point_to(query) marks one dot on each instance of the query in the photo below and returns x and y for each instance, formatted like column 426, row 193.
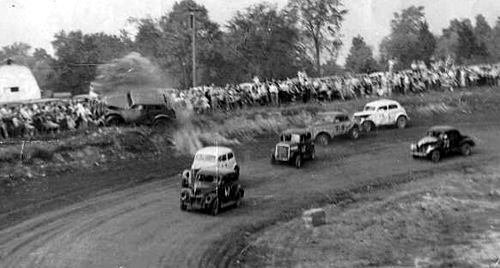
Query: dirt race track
column 143, row 226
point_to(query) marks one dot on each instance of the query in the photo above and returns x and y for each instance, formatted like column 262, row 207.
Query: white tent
column 17, row 83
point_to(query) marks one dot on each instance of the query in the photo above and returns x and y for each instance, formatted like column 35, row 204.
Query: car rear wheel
column 161, row 123
column 368, row 126
column 115, row 121
column 323, row 139
column 401, row 122
column 238, row 200
column 215, row 207
column 273, row 160
column 465, row 149
column 298, row 161
column 435, row 156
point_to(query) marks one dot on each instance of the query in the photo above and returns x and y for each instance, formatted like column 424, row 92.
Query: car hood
column 283, row 143
column 202, row 164
column 363, row 113
column 427, row 140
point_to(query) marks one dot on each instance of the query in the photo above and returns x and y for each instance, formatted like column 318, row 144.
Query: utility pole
column 193, row 42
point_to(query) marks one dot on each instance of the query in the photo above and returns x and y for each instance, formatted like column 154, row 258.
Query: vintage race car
column 211, row 189
column 149, row 109
column 331, row 124
column 382, row 113
column 440, row 141
column 294, row 146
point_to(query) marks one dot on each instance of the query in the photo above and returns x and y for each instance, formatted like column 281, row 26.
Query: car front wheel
column 298, row 161
column 215, row 207
column 354, row 133
column 183, row 206
column 435, row 156
column 368, row 126
column 465, row 149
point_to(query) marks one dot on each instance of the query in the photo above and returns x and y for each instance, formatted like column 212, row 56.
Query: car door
column 454, row 138
column 227, row 189
column 231, row 161
column 223, row 163
column 382, row 116
column 393, row 113
column 345, row 124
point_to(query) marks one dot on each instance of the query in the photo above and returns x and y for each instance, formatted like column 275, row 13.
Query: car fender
column 161, row 116
column 330, row 136
column 111, row 116
column 467, row 140
column 402, row 114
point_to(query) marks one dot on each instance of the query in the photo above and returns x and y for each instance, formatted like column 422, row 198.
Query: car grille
column 282, row 152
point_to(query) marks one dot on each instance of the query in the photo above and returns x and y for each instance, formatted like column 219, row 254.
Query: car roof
column 382, row 102
column 296, row 131
column 442, row 128
column 215, row 171
column 214, row 150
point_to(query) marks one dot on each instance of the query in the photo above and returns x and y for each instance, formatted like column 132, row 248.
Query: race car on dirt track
column 295, row 146
column 332, row 124
column 382, row 113
column 211, row 189
column 440, row 141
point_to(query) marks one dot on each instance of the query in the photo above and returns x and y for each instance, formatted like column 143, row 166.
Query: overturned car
column 150, row 109
column 440, row 141
column 211, row 189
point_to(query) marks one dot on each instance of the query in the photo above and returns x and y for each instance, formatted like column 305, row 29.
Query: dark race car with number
column 295, row 146
column 440, row 141
column 332, row 124
column 211, row 189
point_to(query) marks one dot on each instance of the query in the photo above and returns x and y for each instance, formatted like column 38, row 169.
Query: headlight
column 184, row 196
column 208, row 199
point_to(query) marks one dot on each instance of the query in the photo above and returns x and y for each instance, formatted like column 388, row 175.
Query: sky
column 36, row 21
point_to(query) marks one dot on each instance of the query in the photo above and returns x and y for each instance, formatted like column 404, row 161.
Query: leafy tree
column 495, row 43
column 263, row 41
column 320, row 21
column 360, row 58
column 410, row 38
column 168, row 42
column 78, row 55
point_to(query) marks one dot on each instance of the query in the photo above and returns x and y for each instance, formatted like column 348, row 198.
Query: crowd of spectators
column 46, row 116
column 30, row 119
column 303, row 89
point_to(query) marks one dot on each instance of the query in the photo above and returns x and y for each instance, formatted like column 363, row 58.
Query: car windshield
column 207, row 178
column 205, row 157
column 290, row 137
column 369, row 108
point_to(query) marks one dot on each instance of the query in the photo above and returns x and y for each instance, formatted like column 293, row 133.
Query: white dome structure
column 17, row 83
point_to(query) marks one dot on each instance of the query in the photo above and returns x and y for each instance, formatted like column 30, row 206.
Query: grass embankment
column 447, row 220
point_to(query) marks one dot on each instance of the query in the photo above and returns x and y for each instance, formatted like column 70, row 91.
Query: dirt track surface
column 143, row 226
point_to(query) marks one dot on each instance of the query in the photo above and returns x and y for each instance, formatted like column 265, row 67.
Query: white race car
column 382, row 112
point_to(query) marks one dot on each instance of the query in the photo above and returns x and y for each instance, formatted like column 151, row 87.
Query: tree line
column 260, row 40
